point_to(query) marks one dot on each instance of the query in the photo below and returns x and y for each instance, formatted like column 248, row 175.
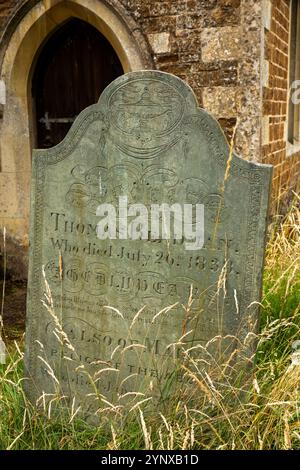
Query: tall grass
column 261, row 411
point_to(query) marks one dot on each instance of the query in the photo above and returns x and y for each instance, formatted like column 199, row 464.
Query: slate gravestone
column 148, row 140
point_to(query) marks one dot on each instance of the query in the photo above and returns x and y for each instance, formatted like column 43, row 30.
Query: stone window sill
column 292, row 149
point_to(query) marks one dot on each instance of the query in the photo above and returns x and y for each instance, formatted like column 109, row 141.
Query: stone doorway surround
column 25, row 35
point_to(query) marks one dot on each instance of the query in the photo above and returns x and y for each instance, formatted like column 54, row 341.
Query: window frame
column 293, row 115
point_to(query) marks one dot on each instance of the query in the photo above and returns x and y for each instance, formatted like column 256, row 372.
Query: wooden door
column 74, row 67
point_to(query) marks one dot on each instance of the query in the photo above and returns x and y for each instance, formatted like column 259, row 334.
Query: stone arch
column 25, row 35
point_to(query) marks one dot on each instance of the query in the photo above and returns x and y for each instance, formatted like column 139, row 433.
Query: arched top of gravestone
column 146, row 113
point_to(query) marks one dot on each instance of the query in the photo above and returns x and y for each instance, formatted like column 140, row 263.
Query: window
column 294, row 73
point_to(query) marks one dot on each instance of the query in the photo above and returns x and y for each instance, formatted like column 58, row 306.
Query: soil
column 14, row 310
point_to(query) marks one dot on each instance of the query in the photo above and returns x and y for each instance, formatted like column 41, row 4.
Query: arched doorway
column 72, row 70
column 26, row 35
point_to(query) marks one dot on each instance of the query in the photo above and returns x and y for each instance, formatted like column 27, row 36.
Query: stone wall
column 214, row 45
column 6, row 9
column 275, row 99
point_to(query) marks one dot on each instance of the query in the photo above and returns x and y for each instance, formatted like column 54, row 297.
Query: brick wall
column 275, row 99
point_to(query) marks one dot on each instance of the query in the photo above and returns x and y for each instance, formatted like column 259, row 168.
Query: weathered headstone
column 147, row 140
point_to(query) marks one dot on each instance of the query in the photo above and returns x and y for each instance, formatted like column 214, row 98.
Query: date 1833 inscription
column 112, row 319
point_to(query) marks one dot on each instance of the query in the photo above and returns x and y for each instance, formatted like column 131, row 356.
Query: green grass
column 261, row 411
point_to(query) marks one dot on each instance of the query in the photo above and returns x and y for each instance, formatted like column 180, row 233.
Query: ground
column 14, row 310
